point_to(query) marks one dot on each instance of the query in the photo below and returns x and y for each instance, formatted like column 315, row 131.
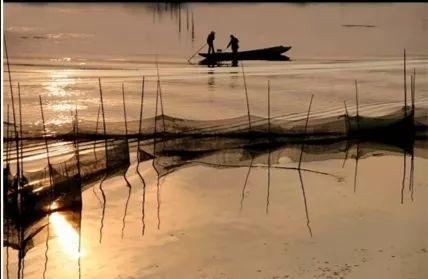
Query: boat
column 270, row 54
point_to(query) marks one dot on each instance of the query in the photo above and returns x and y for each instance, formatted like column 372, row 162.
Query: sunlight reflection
column 67, row 235
column 60, row 85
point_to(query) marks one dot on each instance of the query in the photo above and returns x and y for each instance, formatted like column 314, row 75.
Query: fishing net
column 56, row 187
column 104, row 158
column 321, row 124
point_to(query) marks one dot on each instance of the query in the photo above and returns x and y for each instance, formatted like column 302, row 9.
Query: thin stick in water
column 246, row 97
column 356, row 102
column 7, row 136
column 187, row 18
column 160, row 95
column 193, row 28
column 20, row 132
column 414, row 90
column 106, row 162
column 305, row 131
column 404, row 177
column 51, row 186
column 18, row 171
column 405, row 83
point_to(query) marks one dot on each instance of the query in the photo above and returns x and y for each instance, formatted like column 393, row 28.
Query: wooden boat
column 271, row 54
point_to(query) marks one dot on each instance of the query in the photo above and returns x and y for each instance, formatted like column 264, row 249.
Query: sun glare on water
column 60, row 83
column 67, row 236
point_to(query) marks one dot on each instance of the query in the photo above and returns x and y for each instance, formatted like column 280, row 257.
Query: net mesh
column 335, row 123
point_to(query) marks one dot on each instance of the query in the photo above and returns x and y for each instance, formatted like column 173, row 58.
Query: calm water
column 202, row 222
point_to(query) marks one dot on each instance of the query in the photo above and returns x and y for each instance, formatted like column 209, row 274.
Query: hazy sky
column 121, row 30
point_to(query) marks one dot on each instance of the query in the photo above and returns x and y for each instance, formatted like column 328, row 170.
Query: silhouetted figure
column 210, row 42
column 234, row 44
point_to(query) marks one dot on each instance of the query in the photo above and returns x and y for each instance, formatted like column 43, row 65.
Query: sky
column 328, row 30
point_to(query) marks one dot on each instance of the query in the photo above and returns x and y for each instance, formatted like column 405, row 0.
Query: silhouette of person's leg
column 235, row 58
column 211, row 49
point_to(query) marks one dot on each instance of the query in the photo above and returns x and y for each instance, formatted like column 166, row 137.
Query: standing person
column 234, row 43
column 210, row 42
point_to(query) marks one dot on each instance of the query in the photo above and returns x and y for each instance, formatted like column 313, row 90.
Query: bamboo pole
column 141, row 119
column 18, row 171
column 404, row 177
column 356, row 167
column 346, row 109
column 76, row 142
column 348, row 123
column 79, row 249
column 246, row 97
column 414, row 90
column 305, row 201
column 104, row 120
column 155, row 119
column 196, row 52
column 405, row 84
column 193, row 28
column 268, row 99
column 7, row 135
column 411, row 91
column 305, row 132
column 143, row 214
column 107, row 160
column 179, row 18
column 124, row 112
column 96, row 132
column 20, row 131
column 356, row 101
column 124, row 175
column 44, row 132
column 187, row 18
column 160, row 95
column 269, row 153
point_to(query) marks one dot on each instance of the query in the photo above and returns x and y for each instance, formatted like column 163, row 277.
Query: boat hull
column 270, row 54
